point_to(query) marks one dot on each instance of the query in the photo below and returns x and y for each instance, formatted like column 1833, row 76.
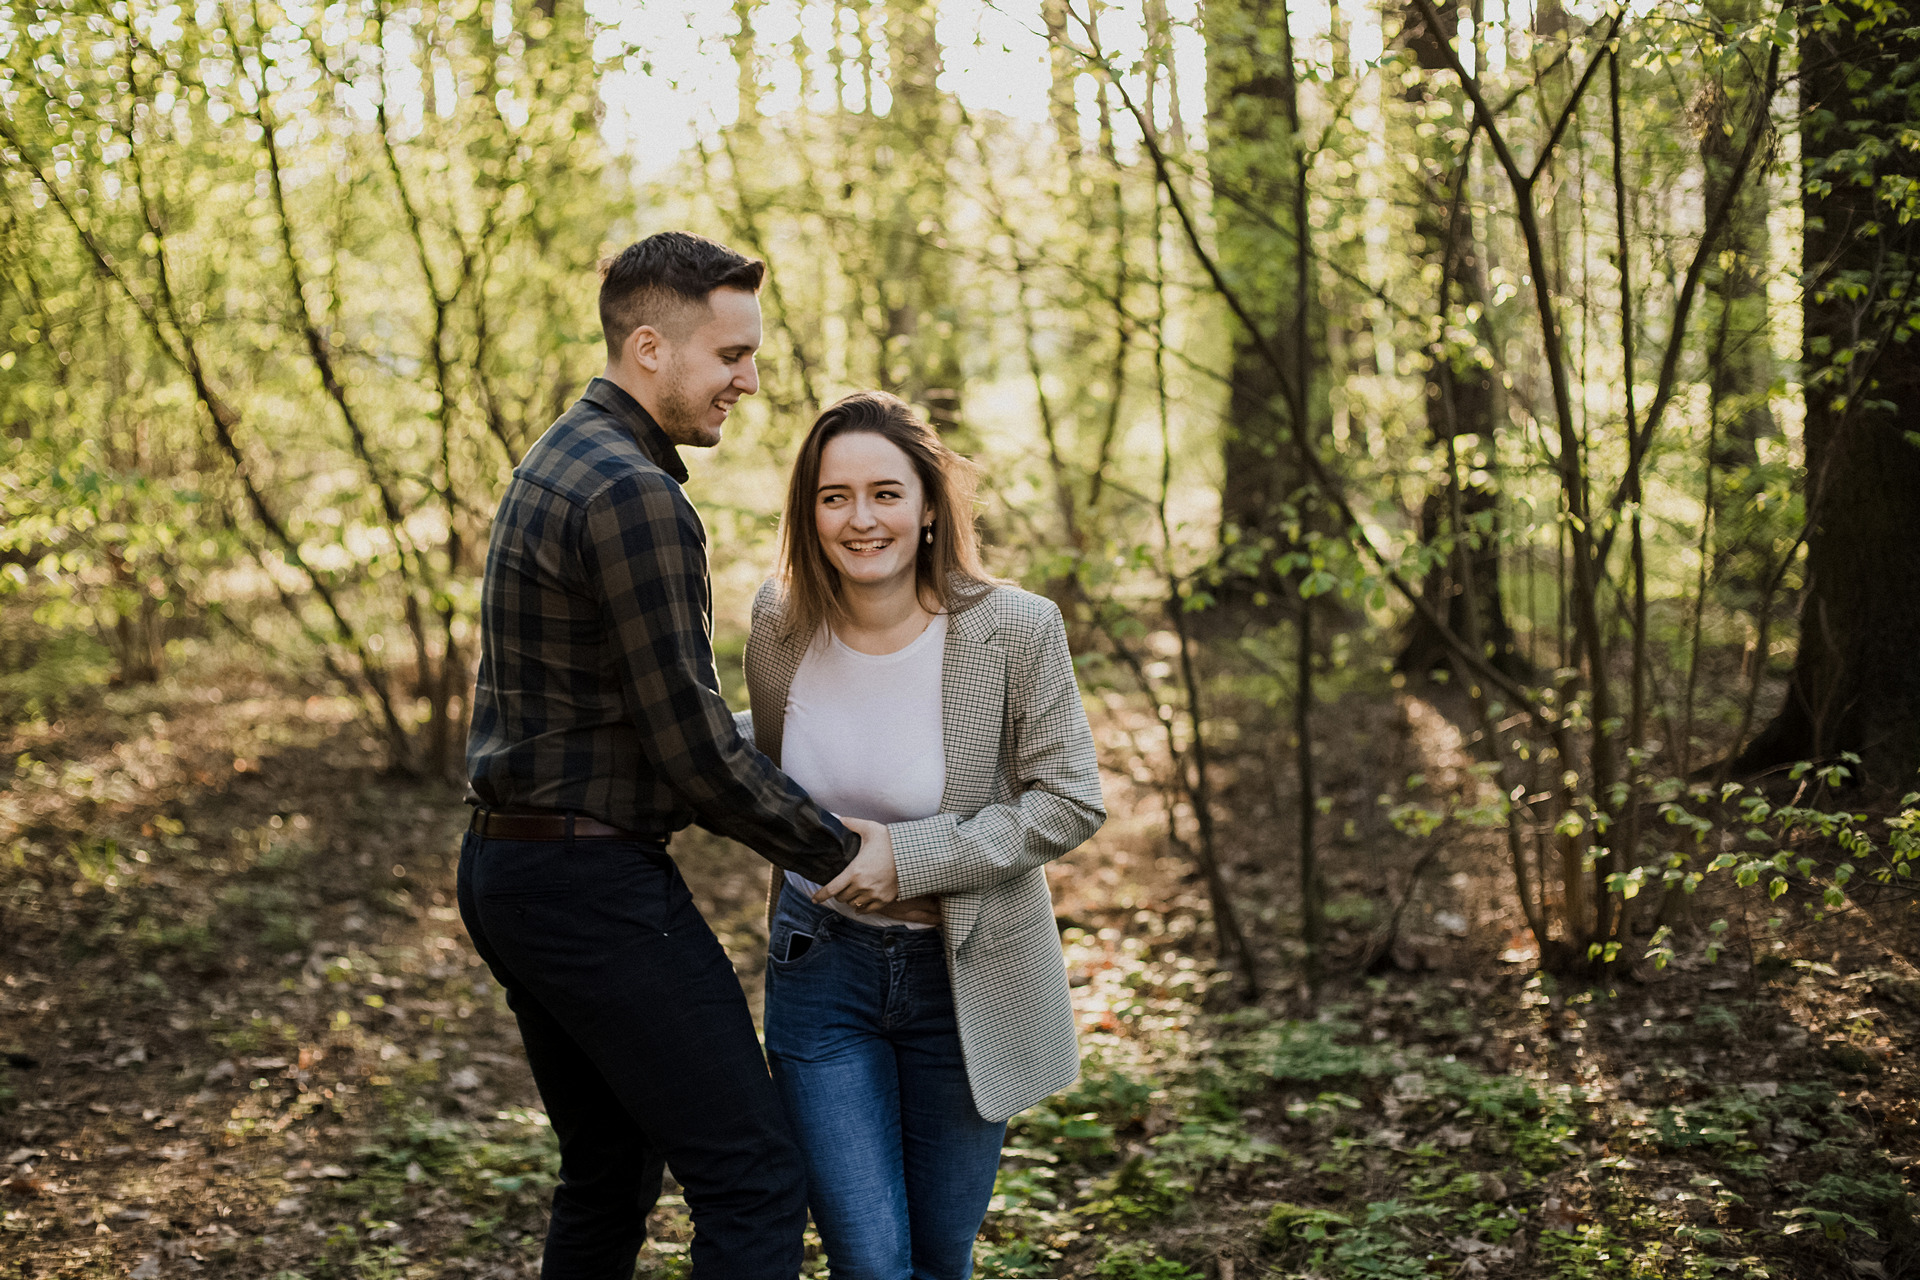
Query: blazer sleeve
column 1059, row 804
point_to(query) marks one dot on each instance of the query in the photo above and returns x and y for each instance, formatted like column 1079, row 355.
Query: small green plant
column 379, row 1261
column 514, row 1160
column 1717, row 1020
column 1050, row 1134
column 1016, row 1259
column 1831, row 1223
column 1140, row 1262
column 1585, row 1253
column 1376, row 1247
column 1113, row 1095
column 1313, row 1053
column 1139, row 1191
column 97, row 859
column 1290, row 1222
column 1881, row 1191
column 1201, row 1144
column 1537, row 1125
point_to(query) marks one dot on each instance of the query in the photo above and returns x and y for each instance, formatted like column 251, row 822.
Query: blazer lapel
column 973, row 691
column 973, row 695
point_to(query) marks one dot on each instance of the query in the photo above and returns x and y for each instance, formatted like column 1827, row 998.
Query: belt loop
column 569, row 826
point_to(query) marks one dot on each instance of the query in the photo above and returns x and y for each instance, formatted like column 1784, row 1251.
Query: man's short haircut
column 664, row 280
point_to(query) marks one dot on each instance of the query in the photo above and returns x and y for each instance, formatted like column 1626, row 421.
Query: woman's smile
column 869, row 511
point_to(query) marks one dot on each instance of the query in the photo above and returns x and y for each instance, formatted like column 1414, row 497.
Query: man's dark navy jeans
column 644, row 1051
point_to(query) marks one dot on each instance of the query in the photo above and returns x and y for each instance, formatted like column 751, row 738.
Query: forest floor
column 246, row 1036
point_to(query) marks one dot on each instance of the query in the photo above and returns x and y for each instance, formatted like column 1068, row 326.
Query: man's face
column 704, row 374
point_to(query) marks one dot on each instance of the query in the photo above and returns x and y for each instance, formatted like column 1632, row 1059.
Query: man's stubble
column 683, row 418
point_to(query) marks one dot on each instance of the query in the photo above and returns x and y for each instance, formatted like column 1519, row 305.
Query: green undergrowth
column 497, row 1175
column 44, row 671
column 1314, row 1149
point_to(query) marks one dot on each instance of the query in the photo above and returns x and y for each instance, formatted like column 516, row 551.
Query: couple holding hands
column 916, row 753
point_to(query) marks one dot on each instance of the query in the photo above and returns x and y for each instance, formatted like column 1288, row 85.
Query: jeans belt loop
column 569, row 826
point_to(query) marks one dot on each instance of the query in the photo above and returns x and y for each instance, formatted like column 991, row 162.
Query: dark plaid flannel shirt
column 597, row 691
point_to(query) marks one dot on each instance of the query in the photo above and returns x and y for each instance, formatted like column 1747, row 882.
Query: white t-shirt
column 862, row 735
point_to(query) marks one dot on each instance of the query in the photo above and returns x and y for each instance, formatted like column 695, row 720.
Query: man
column 599, row 731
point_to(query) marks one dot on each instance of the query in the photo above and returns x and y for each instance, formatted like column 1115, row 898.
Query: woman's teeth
column 873, row 544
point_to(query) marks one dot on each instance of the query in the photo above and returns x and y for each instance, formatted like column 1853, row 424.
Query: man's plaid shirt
column 597, row 691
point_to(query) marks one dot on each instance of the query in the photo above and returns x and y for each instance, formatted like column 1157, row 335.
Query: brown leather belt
column 547, row 826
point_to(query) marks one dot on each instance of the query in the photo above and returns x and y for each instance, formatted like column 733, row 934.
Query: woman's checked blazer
column 1022, row 788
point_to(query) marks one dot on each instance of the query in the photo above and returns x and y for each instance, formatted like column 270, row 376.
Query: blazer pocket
column 1019, row 908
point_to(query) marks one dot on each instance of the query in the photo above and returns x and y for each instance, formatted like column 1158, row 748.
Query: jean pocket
column 790, row 947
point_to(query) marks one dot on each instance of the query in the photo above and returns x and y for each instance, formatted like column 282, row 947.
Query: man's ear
column 645, row 347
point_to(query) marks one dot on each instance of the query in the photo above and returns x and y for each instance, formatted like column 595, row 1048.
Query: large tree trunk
column 1461, row 393
column 1740, row 364
column 1253, row 159
column 922, row 354
column 1856, row 680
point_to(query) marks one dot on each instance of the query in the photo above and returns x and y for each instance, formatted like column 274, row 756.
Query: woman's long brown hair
column 947, row 572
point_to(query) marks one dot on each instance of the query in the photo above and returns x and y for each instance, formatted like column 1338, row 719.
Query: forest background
column 1476, row 447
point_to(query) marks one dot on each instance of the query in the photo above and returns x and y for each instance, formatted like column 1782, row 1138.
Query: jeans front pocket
column 795, row 942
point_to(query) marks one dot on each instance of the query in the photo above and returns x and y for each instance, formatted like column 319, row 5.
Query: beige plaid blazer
column 1022, row 788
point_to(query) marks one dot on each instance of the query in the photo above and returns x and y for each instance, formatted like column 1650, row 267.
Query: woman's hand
column 921, row 910
column 870, row 880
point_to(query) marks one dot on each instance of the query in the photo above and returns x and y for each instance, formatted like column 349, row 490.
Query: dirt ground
column 245, row 1036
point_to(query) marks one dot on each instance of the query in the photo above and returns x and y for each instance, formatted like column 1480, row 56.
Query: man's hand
column 921, row 910
column 870, row 880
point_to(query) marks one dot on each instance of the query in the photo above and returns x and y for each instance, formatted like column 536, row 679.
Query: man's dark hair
column 664, row 280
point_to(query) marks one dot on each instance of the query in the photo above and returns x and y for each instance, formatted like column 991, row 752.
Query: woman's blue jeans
column 866, row 1055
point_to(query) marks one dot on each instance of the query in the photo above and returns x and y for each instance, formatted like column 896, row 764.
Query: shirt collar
column 634, row 416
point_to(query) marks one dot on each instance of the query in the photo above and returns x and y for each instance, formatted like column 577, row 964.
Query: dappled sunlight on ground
column 247, row 1036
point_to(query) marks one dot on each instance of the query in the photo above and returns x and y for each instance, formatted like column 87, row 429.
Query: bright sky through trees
column 670, row 71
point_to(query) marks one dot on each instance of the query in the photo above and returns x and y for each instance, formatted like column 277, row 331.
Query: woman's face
column 869, row 509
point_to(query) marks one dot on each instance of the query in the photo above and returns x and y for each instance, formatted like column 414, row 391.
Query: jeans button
column 888, row 943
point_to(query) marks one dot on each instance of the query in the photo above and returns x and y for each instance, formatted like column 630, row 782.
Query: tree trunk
column 1253, row 159
column 1740, row 365
column 1856, row 680
column 1461, row 393
column 922, row 353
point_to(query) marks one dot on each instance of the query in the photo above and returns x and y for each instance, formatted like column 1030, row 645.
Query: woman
column 938, row 714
